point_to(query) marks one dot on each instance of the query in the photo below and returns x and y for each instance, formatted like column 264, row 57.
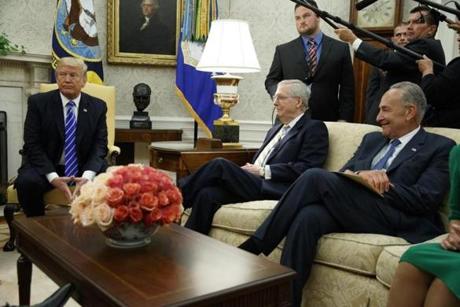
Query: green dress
column 431, row 257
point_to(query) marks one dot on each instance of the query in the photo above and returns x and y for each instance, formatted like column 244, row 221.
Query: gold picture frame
column 127, row 33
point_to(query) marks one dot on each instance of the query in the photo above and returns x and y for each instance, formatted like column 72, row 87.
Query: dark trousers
column 321, row 202
column 31, row 186
column 216, row 183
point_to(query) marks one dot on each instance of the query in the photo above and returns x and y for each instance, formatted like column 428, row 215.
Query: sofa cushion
column 354, row 252
column 349, row 251
column 343, row 142
column 240, row 218
column 243, row 218
column 389, row 259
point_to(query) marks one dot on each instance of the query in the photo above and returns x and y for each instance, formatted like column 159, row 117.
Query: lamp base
column 227, row 132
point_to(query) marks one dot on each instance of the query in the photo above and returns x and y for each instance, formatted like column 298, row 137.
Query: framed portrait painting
column 143, row 31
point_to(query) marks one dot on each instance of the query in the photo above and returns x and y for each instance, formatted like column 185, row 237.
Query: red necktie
column 311, row 57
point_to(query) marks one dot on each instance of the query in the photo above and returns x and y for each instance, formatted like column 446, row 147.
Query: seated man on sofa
column 294, row 145
column 407, row 168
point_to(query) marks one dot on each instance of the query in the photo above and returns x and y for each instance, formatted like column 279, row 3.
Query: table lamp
column 229, row 49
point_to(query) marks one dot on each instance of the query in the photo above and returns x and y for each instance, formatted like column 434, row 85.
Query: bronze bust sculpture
column 141, row 98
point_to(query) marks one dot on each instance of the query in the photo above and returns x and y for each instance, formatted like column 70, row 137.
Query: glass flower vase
column 129, row 235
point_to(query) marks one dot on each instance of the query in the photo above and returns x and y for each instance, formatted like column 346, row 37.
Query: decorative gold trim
column 193, row 113
column 114, row 56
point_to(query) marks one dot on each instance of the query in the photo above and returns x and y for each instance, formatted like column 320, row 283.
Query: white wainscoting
column 20, row 76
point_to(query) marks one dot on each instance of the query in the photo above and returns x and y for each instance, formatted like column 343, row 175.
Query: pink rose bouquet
column 134, row 194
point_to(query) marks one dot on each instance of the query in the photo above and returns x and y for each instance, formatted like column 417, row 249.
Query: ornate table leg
column 24, row 267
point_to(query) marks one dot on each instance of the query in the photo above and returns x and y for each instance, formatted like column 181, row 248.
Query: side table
column 125, row 139
column 184, row 159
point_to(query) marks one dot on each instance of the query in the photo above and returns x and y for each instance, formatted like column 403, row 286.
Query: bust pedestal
column 140, row 120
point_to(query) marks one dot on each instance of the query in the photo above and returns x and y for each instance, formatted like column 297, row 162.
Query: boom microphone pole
column 325, row 16
column 363, row 4
column 441, row 7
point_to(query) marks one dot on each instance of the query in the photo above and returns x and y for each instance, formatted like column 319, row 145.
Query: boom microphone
column 363, row 4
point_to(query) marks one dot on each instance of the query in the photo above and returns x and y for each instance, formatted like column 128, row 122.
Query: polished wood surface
column 184, row 162
column 147, row 135
column 180, row 267
column 125, row 139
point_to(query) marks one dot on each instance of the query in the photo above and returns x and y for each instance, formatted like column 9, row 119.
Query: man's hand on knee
column 79, row 181
column 61, row 183
column 378, row 179
column 253, row 169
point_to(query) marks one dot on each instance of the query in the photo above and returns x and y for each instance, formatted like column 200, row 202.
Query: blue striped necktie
column 382, row 163
column 70, row 148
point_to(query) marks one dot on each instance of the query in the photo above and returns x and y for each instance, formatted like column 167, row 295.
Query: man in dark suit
column 422, row 26
column 65, row 138
column 443, row 90
column 290, row 147
column 330, row 75
column 407, row 169
column 147, row 34
column 377, row 75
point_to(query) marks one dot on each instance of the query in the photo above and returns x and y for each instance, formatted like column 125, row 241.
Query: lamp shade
column 229, row 48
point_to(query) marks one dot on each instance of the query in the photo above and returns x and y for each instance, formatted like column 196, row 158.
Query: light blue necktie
column 382, row 163
column 70, row 148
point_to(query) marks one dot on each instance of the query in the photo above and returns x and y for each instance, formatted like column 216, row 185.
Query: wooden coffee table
column 180, row 267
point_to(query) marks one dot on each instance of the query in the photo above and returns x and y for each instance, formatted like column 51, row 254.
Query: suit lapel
column 325, row 50
column 270, row 134
column 409, row 150
column 58, row 113
column 300, row 56
column 292, row 133
column 366, row 164
column 82, row 119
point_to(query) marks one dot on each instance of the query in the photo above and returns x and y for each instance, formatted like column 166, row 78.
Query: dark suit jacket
column 443, row 95
column 399, row 67
column 374, row 83
column 419, row 173
column 44, row 133
column 305, row 146
column 332, row 90
column 155, row 38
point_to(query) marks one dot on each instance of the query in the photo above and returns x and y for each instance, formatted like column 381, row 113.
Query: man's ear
column 411, row 112
column 299, row 102
column 432, row 30
column 84, row 79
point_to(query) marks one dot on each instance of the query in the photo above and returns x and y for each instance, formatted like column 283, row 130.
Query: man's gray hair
column 74, row 62
column 297, row 88
column 155, row 3
column 412, row 94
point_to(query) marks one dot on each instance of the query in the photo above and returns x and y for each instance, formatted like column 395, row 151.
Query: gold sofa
column 349, row 269
column 55, row 197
